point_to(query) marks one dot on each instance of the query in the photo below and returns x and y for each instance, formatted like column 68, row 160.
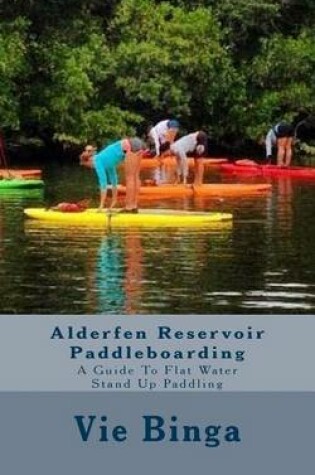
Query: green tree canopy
column 172, row 63
column 78, row 70
column 281, row 80
column 13, row 69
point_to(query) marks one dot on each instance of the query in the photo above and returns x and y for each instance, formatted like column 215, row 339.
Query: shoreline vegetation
column 77, row 71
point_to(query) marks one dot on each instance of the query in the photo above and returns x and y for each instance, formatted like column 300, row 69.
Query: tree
column 171, row 63
column 80, row 70
column 281, row 80
column 71, row 88
column 13, row 67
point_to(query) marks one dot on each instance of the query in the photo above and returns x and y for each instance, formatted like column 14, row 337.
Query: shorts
column 284, row 130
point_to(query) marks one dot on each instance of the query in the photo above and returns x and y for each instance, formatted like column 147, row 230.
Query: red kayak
column 267, row 170
column 15, row 173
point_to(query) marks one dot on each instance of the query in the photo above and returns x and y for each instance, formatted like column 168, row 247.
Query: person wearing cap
column 105, row 162
column 162, row 135
column 195, row 144
column 280, row 136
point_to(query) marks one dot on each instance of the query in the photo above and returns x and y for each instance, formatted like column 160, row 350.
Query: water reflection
column 119, row 273
column 109, row 273
column 265, row 263
column 126, row 271
column 284, row 219
column 134, row 272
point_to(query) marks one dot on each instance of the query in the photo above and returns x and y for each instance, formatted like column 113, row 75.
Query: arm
column 114, row 182
column 184, row 163
column 199, row 171
column 170, row 135
column 270, row 140
column 181, row 164
column 156, row 140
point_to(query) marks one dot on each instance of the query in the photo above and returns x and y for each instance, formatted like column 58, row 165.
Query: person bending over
column 195, row 144
column 280, row 136
column 105, row 162
column 162, row 135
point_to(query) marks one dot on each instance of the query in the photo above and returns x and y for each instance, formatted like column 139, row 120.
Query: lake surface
column 263, row 264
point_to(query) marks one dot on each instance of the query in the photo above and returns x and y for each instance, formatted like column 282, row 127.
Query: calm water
column 264, row 263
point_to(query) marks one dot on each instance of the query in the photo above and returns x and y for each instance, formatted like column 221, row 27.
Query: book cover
column 177, row 339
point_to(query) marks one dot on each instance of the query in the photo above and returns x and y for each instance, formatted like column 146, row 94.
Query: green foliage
column 243, row 22
column 246, row 21
column 12, row 68
column 77, row 70
column 172, row 62
column 68, row 84
column 72, row 96
column 282, row 80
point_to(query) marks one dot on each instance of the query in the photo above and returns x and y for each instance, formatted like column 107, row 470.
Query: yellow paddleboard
column 145, row 218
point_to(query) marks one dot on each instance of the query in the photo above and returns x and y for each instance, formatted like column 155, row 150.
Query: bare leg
column 114, row 197
column 181, row 167
column 137, row 189
column 288, row 151
column 132, row 169
column 280, row 151
column 185, row 169
column 160, row 172
column 130, row 184
column 177, row 178
column 163, row 172
column 178, row 170
column 103, row 197
column 199, row 171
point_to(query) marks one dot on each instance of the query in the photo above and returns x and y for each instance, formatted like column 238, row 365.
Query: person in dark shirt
column 281, row 136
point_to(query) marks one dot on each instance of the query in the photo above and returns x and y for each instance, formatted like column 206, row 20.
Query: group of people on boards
column 161, row 141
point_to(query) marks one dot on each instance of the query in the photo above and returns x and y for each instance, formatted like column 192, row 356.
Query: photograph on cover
column 157, row 157
column 157, row 161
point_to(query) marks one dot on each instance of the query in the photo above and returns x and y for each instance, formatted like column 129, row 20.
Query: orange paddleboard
column 215, row 189
column 171, row 161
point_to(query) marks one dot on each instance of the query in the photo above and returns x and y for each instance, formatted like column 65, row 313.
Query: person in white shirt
column 195, row 144
column 162, row 135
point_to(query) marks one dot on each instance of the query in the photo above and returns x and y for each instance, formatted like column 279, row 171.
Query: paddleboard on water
column 20, row 183
column 215, row 189
column 16, row 173
column 268, row 170
column 171, row 161
column 144, row 218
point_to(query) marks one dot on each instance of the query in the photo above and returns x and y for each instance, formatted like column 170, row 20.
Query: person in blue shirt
column 105, row 162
